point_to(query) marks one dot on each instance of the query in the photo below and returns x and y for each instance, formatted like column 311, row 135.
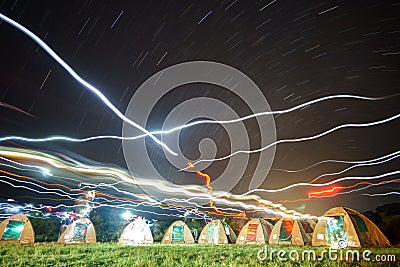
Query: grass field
column 111, row 254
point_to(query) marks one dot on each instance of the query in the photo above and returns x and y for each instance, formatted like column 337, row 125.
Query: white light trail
column 324, row 184
column 81, row 80
column 339, row 161
column 92, row 138
column 382, row 194
column 301, row 139
column 376, row 162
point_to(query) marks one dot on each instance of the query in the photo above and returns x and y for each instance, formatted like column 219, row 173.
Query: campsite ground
column 111, row 254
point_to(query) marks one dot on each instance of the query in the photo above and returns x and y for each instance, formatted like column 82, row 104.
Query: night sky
column 295, row 51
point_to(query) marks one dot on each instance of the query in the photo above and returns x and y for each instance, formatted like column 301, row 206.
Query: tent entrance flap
column 177, row 233
column 80, row 231
column 252, row 232
column 286, row 230
column 226, row 229
column 213, row 233
column 13, row 230
column 335, row 229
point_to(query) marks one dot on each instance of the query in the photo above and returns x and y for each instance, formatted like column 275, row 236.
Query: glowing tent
column 80, row 231
column 178, row 233
column 136, row 233
column 344, row 227
column 16, row 229
column 292, row 231
column 217, row 232
column 256, row 231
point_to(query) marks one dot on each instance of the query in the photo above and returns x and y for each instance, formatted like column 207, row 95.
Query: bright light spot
column 127, row 215
column 19, row 228
column 46, row 171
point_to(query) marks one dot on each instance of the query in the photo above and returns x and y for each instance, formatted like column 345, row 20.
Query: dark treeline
column 387, row 218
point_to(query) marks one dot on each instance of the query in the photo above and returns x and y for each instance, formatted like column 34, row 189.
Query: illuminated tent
column 346, row 227
column 136, row 233
column 178, row 233
column 292, row 231
column 256, row 231
column 217, row 232
column 80, row 231
column 16, row 229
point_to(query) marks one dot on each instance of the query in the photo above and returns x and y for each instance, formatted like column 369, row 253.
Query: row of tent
column 337, row 225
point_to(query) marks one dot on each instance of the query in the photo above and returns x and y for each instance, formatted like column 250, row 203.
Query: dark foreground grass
column 109, row 254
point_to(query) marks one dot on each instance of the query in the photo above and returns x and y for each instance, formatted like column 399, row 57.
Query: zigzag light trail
column 129, row 203
column 369, row 184
column 338, row 161
column 325, row 184
column 277, row 112
column 386, row 158
column 301, row 139
column 70, row 196
column 42, row 169
column 81, row 189
column 151, row 202
column 158, row 204
column 56, row 163
column 315, row 195
column 147, row 133
column 208, row 180
column 382, row 194
column 34, row 190
column 101, row 96
column 360, row 165
column 130, row 207
column 93, row 89
column 196, row 191
column 99, row 137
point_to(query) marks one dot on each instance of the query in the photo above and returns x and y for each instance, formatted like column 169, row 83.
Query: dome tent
column 16, row 229
column 136, row 232
column 342, row 224
column 217, row 232
column 292, row 231
column 256, row 231
column 80, row 231
column 178, row 233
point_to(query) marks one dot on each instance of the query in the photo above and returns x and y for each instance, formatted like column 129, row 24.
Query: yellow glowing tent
column 80, row 231
column 292, row 231
column 136, row 233
column 256, row 231
column 178, row 233
column 344, row 227
column 217, row 232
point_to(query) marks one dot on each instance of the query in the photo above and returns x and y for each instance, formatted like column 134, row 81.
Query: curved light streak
column 302, row 139
column 382, row 194
column 324, row 184
column 338, row 161
column 93, row 89
column 99, row 137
